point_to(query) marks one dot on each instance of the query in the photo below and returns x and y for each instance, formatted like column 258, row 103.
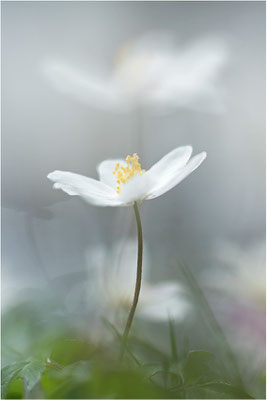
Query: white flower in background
column 242, row 272
column 239, row 296
column 124, row 182
column 112, row 276
column 150, row 72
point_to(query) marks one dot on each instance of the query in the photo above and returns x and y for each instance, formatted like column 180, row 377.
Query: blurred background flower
column 236, row 287
column 111, row 284
column 151, row 72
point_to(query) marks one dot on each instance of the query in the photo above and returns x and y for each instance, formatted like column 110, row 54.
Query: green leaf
column 69, row 382
column 15, row 389
column 124, row 384
column 197, row 369
column 8, row 373
column 146, row 351
column 67, row 351
column 32, row 372
column 50, row 382
column 150, row 369
column 175, row 372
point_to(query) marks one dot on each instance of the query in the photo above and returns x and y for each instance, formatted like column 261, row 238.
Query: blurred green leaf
column 175, row 373
column 147, row 352
column 196, row 368
column 129, row 384
column 32, row 372
column 8, row 373
column 68, row 351
column 200, row 380
column 71, row 382
column 107, row 379
column 49, row 383
column 150, row 369
column 15, row 389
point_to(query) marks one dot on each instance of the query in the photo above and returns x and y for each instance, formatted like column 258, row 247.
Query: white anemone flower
column 112, row 275
column 151, row 73
column 123, row 183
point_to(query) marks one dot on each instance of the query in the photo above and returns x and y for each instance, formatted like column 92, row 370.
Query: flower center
column 123, row 174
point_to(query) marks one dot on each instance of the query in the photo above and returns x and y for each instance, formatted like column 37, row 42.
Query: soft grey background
column 45, row 232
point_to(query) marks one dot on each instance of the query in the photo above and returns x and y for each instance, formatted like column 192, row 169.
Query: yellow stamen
column 123, row 174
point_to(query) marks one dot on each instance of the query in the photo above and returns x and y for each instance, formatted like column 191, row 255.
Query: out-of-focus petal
column 88, row 89
column 162, row 301
column 190, row 77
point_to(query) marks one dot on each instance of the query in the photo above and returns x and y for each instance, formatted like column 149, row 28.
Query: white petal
column 162, row 301
column 159, row 172
column 172, row 176
column 136, row 189
column 160, row 291
column 170, row 308
column 105, row 169
column 177, row 158
column 140, row 186
column 91, row 190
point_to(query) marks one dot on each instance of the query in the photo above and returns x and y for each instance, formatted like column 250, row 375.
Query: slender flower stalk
column 138, row 279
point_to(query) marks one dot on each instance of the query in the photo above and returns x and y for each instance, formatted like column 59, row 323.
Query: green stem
column 138, row 280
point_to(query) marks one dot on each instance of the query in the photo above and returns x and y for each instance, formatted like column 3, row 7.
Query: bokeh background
column 214, row 221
